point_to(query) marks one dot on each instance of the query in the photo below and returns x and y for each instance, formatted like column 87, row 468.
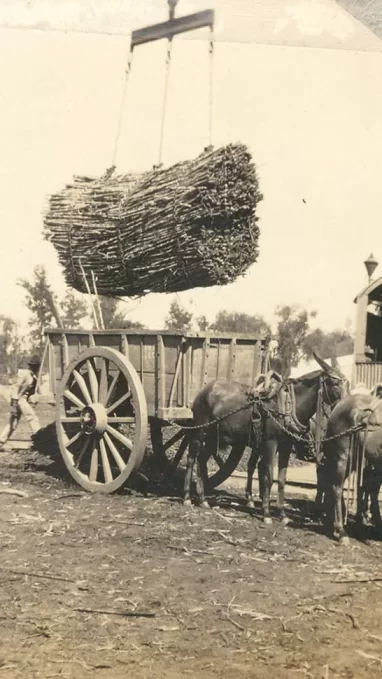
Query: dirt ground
column 135, row 585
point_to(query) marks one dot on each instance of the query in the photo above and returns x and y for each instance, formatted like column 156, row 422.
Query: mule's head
column 334, row 383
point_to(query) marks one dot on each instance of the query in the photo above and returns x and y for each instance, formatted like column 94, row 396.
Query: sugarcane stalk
column 193, row 224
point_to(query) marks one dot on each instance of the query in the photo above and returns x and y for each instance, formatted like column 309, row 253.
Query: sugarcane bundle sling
column 193, row 224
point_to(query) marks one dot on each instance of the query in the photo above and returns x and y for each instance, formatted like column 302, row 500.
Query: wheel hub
column 94, row 419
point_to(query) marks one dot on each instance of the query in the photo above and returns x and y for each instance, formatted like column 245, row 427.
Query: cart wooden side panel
column 172, row 367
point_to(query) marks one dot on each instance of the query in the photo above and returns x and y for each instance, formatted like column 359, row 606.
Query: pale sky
column 298, row 82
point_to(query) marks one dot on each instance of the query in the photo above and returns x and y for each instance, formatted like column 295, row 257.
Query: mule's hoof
column 267, row 520
column 285, row 521
column 376, row 524
column 344, row 541
column 205, row 505
column 187, row 503
column 362, row 522
column 251, row 504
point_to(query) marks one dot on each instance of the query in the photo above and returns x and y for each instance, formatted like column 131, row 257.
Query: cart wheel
column 221, row 464
column 101, row 419
column 170, row 444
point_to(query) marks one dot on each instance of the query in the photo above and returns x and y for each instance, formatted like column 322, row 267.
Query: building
column 368, row 330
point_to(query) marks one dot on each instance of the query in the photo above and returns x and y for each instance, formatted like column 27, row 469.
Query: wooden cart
column 111, row 386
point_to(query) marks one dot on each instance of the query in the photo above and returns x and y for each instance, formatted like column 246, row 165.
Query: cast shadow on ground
column 150, row 481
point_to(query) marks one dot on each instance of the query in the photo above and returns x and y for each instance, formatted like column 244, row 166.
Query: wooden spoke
column 81, row 453
column 170, row 452
column 218, row 459
column 103, row 382
column 103, row 460
column 105, row 463
column 74, row 399
column 74, row 438
column 119, row 402
column 94, row 465
column 180, row 452
column 120, row 437
column 179, row 434
column 119, row 460
column 111, row 388
column 92, row 381
column 225, row 465
column 82, row 385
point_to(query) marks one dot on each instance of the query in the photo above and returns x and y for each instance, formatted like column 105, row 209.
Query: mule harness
column 292, row 427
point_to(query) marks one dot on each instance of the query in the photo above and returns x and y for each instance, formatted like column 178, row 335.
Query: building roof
column 368, row 12
column 373, row 291
column 298, row 23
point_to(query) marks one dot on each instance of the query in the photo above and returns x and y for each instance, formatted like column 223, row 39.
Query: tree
column 327, row 344
column 113, row 318
column 74, row 309
column 11, row 349
column 233, row 322
column 292, row 329
column 37, row 300
column 202, row 323
column 109, row 309
column 178, row 319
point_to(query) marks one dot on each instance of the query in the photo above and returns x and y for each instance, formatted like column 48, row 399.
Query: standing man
column 22, row 398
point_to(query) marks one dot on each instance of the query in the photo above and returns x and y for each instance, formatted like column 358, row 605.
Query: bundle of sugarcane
column 191, row 225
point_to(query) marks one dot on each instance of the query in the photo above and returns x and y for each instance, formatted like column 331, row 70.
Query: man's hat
column 34, row 360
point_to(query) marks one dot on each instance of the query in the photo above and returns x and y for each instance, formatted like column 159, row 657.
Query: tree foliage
column 12, row 350
column 113, row 318
column 202, row 323
column 38, row 302
column 178, row 319
column 292, row 330
column 328, row 344
column 75, row 310
column 235, row 322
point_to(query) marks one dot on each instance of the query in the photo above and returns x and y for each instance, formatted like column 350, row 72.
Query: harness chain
column 258, row 401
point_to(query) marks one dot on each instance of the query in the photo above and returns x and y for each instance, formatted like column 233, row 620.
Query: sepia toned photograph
column 191, row 339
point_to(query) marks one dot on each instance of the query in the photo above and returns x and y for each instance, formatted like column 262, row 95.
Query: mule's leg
column 334, row 472
column 363, row 493
column 194, row 450
column 374, row 489
column 252, row 463
column 201, row 474
column 255, row 441
column 376, row 518
column 336, row 492
column 267, row 461
column 285, row 449
column 319, row 502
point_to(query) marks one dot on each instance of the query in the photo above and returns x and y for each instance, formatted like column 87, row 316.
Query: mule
column 253, row 427
column 274, row 439
column 341, row 458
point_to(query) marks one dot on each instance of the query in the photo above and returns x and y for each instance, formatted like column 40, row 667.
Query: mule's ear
column 325, row 366
column 335, row 364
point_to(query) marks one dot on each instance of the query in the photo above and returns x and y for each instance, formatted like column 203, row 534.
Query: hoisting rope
column 172, row 4
column 211, row 87
column 210, row 97
column 165, row 96
column 122, row 106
